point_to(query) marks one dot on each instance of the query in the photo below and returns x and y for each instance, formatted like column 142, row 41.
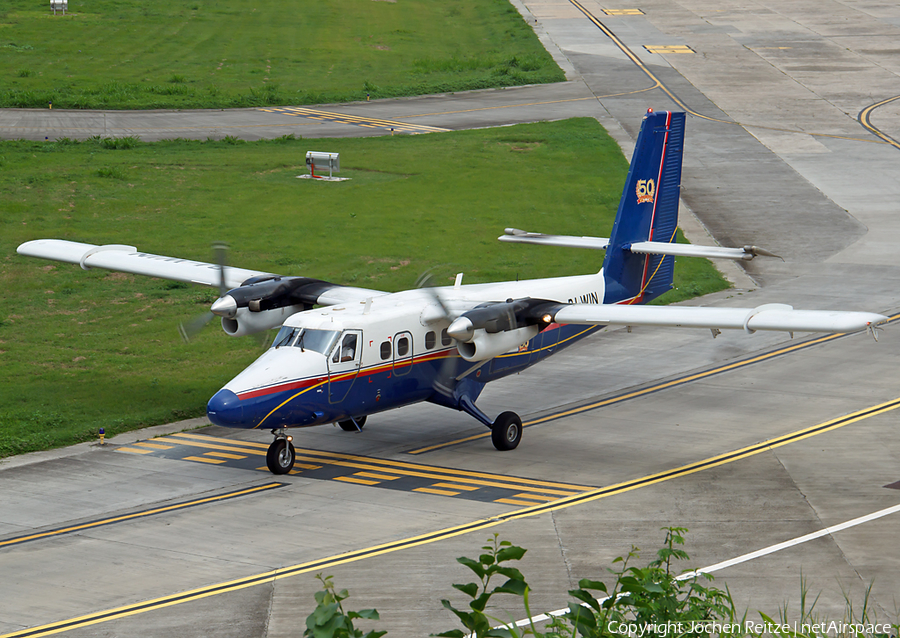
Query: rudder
column 648, row 211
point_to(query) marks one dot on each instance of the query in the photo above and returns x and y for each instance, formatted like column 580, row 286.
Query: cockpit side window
column 347, row 351
column 320, row 341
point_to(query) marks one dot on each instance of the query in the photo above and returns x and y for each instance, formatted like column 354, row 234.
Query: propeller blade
column 445, row 381
column 426, row 282
column 189, row 329
column 220, row 250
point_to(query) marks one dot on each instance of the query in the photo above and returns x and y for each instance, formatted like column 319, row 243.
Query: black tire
column 280, row 456
column 506, row 432
column 350, row 426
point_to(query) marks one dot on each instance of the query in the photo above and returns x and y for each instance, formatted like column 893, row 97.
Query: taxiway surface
column 775, row 156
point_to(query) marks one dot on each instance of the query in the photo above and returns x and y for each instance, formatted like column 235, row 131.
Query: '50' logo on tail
column 646, row 189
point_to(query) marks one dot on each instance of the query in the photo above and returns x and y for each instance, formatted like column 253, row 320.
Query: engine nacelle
column 246, row 322
column 486, row 345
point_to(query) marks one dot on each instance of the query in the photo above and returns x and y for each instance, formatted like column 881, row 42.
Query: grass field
column 81, row 350
column 229, row 53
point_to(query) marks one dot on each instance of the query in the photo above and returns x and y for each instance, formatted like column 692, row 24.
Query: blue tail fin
column 648, row 211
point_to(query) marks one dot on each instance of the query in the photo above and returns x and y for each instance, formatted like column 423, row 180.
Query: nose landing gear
column 280, row 456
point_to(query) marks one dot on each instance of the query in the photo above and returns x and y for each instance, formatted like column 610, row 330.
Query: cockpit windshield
column 320, row 341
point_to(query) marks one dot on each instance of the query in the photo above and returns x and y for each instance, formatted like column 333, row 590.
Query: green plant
column 111, row 172
column 488, row 565
column 652, row 598
column 860, row 620
column 328, row 619
column 120, row 143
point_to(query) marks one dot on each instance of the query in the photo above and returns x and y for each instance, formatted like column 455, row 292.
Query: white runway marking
column 748, row 557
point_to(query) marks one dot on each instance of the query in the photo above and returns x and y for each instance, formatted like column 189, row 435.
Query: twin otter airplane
column 343, row 353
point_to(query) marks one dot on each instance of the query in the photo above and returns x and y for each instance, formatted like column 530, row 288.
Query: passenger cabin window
column 402, row 346
column 430, row 339
column 385, row 350
column 347, row 351
column 445, row 338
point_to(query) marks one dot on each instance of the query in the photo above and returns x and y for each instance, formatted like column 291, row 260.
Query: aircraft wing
column 129, row 259
column 766, row 317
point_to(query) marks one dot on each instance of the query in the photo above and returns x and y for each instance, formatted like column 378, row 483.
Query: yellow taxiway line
column 142, row 514
column 450, row 532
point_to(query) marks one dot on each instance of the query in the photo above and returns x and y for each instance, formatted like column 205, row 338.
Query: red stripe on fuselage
column 312, row 381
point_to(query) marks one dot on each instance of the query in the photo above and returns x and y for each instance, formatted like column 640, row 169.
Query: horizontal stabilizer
column 693, row 250
column 765, row 317
column 567, row 241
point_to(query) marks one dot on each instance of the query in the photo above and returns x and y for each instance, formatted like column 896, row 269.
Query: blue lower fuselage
column 320, row 399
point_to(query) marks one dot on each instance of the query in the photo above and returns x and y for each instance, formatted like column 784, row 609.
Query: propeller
column 445, row 381
column 189, row 329
column 497, row 317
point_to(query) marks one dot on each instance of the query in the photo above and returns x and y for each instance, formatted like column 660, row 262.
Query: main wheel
column 280, row 456
column 352, row 425
column 506, row 432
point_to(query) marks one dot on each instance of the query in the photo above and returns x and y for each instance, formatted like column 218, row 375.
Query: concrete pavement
column 789, row 73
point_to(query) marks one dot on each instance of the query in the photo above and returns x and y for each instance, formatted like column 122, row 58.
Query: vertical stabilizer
column 648, row 211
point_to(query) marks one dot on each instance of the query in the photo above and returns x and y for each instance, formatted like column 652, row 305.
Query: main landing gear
column 280, row 456
column 353, row 425
column 506, row 429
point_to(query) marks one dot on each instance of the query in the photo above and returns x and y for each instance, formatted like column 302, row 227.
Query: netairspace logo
column 661, row 630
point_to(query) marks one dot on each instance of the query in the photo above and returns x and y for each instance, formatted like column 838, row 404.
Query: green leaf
column 586, row 583
column 510, row 572
column 510, row 553
column 512, row 586
column 486, row 559
column 479, row 603
column 370, row 614
column 453, row 633
column 585, row 597
column 471, row 564
column 471, row 589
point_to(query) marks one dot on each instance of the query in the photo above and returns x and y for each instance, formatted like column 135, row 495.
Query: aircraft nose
column 225, row 409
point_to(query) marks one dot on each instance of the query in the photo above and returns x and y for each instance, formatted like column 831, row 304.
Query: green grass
column 82, row 350
column 234, row 53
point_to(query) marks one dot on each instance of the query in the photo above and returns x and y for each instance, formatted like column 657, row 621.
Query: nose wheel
column 280, row 455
